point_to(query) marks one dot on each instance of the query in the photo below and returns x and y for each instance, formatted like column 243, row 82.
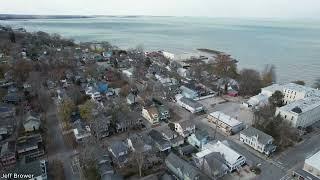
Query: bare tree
column 250, row 82
column 268, row 75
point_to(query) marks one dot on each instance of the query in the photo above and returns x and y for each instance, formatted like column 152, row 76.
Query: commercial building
column 311, row 168
column 301, row 113
column 226, row 123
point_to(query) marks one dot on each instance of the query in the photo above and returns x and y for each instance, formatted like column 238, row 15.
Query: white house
column 185, row 128
column 189, row 104
column 168, row 55
column 233, row 159
column 301, row 113
column 81, row 131
column 225, row 122
column 183, row 72
column 128, row 72
column 32, row 122
column 258, row 140
column 151, row 114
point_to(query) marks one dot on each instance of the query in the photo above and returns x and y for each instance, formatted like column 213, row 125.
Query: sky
column 208, row 8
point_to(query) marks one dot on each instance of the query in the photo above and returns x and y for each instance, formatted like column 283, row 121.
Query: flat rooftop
column 230, row 121
column 314, row 160
column 302, row 105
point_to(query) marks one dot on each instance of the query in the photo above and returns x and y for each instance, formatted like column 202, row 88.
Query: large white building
column 302, row 103
column 301, row 113
column 293, row 92
column 310, row 169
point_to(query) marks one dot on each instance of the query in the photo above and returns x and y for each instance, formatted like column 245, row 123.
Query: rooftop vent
column 297, row 110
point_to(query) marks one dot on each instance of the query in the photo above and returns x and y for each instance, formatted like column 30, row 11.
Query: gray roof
column 201, row 134
column 186, row 124
column 35, row 168
column 118, row 147
column 176, row 164
column 28, row 141
column 32, row 117
column 216, row 162
column 263, row 138
column 7, row 148
column 159, row 139
column 194, row 104
column 111, row 177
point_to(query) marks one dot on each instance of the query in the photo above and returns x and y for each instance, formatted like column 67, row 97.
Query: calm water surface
column 293, row 46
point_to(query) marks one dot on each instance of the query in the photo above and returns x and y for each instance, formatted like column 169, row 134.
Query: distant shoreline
column 21, row 17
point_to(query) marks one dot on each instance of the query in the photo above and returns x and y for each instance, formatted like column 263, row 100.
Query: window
column 285, row 116
column 291, row 118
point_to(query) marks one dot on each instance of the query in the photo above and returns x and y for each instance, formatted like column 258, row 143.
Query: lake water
column 293, row 46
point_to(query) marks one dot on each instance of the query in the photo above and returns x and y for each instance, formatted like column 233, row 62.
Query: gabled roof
column 225, row 119
column 186, row 124
column 263, row 138
column 201, row 134
column 117, row 147
column 7, row 148
column 187, row 169
column 230, row 155
column 216, row 162
column 32, row 117
column 190, row 102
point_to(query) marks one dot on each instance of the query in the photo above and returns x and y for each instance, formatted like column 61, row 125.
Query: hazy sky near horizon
column 210, row 8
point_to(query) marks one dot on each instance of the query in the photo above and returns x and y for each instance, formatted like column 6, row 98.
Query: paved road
column 57, row 149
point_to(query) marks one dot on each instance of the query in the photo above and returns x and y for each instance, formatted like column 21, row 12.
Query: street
column 57, row 148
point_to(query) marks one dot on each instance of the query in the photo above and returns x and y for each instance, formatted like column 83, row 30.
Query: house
column 199, row 138
column 170, row 135
column 128, row 72
column 183, row 72
column 160, row 141
column 140, row 143
column 189, row 104
column 102, row 125
column 151, row 114
column 189, row 92
column 185, row 128
column 310, row 169
column 119, row 152
column 12, row 98
column 81, row 131
column 36, row 170
column 164, row 112
column 226, row 123
column 301, row 113
column 8, row 154
column 32, row 122
column 7, row 111
column 258, row 140
column 233, row 159
column 7, row 127
column 213, row 165
column 30, row 147
column 182, row 169
column 187, row 150
column 93, row 93
column 104, row 165
column 131, row 99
